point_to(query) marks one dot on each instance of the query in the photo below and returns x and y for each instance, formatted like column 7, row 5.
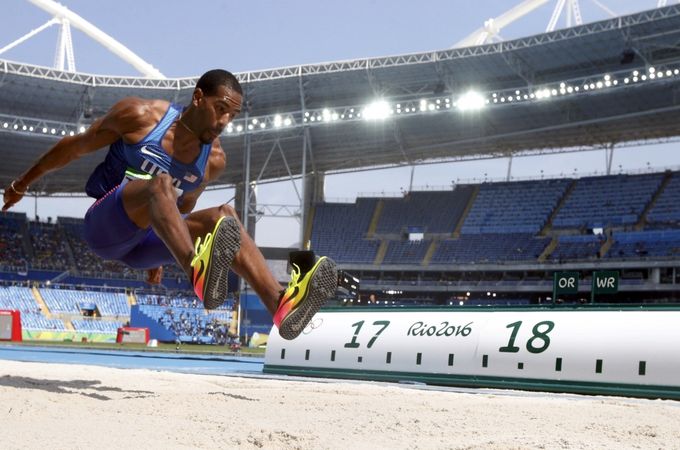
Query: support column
column 655, row 275
column 609, row 157
column 509, row 174
column 313, row 194
column 240, row 202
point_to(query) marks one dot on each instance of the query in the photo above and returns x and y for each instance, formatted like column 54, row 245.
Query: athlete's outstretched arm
column 123, row 118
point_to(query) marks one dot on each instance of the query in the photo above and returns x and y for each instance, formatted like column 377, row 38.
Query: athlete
column 161, row 157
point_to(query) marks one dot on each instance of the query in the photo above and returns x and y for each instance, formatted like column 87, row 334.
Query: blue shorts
column 112, row 235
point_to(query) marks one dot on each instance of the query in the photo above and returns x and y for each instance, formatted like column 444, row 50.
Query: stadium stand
column 575, row 248
column 504, row 224
column 406, row 252
column 74, row 301
column 645, row 244
column 50, row 249
column 40, row 322
column 13, row 254
column 340, row 231
column 433, row 212
column 191, row 325
column 607, row 201
column 99, row 326
column 515, row 207
column 666, row 210
column 19, row 298
column 490, row 248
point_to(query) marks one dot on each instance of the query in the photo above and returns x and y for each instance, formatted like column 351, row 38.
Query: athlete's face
column 217, row 112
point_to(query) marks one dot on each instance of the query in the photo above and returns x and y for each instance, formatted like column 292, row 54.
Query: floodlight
column 287, row 121
column 471, row 100
column 377, row 110
column 277, row 121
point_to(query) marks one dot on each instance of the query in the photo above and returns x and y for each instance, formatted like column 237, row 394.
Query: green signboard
column 605, row 282
column 565, row 283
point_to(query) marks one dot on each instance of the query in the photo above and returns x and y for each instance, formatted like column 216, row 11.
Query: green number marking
column 384, row 324
column 353, row 343
column 357, row 328
column 540, row 335
column 537, row 335
column 510, row 348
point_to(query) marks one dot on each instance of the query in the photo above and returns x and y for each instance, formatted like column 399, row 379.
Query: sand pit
column 69, row 406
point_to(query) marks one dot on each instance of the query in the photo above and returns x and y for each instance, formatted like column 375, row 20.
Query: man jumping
column 161, row 157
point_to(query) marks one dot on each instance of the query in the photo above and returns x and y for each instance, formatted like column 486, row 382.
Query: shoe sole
column 323, row 285
column 226, row 243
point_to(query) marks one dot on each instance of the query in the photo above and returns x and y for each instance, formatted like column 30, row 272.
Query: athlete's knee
column 161, row 187
column 227, row 210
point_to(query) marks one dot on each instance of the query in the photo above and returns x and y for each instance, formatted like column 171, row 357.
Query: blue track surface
column 175, row 362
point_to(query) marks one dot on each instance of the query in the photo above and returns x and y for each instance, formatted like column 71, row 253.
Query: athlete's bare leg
column 248, row 262
column 154, row 203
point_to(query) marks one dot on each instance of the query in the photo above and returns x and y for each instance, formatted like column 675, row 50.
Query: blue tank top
column 147, row 159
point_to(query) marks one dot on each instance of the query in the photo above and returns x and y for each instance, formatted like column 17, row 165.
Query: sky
column 183, row 39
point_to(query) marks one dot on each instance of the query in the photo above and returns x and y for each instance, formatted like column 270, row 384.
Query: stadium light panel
column 287, row 122
column 377, row 110
column 82, row 129
column 471, row 100
column 278, row 121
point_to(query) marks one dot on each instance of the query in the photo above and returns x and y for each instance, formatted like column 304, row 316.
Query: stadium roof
column 585, row 87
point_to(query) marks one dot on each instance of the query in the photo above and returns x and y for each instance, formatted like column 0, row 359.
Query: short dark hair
column 212, row 79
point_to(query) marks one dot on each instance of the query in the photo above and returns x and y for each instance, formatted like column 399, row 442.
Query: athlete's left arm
column 217, row 161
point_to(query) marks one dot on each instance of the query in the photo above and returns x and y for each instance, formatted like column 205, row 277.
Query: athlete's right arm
column 126, row 116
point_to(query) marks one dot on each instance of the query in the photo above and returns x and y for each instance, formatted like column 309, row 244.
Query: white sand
column 85, row 407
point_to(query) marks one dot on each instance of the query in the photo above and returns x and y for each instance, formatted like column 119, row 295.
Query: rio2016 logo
column 443, row 329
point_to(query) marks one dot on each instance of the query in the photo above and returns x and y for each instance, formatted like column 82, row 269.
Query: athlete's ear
column 198, row 95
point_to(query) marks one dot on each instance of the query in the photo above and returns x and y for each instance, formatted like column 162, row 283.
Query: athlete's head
column 217, row 100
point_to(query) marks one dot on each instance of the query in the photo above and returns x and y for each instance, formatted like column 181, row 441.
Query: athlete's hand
column 154, row 276
column 11, row 197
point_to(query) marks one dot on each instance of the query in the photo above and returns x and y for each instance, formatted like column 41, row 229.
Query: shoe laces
column 201, row 247
column 294, row 276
